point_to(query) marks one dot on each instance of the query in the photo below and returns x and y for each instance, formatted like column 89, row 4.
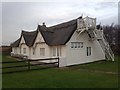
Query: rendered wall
column 79, row 55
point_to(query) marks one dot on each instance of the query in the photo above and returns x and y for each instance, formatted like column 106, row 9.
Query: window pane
column 81, row 44
column 57, row 51
column 24, row 50
column 54, row 52
column 75, row 45
column 78, row 45
column 42, row 51
column 33, row 51
column 87, row 51
column 72, row 45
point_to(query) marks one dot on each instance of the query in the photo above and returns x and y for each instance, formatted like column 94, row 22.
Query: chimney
column 44, row 24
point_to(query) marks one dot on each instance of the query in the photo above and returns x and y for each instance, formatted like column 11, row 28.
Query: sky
column 26, row 15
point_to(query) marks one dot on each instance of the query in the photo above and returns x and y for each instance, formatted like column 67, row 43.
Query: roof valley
column 54, row 35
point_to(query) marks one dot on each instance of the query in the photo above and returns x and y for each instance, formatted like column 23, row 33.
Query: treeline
column 112, row 33
column 5, row 49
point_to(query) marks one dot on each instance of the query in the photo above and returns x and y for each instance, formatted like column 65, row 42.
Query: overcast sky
column 17, row 16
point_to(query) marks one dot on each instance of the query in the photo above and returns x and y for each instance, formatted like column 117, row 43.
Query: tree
column 112, row 33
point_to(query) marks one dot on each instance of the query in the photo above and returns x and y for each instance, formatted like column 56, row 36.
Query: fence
column 28, row 65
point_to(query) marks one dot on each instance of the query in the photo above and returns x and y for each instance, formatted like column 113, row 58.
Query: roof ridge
column 62, row 23
column 29, row 31
column 58, row 34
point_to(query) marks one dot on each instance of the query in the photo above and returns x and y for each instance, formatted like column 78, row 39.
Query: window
column 33, row 50
column 72, row 45
column 56, row 51
column 81, row 45
column 42, row 51
column 88, row 51
column 15, row 50
column 76, row 44
column 24, row 50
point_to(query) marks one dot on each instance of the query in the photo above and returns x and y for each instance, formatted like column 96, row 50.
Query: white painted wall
column 39, row 43
column 79, row 55
column 62, row 62
column 63, row 50
column 37, row 55
column 69, row 56
column 16, row 50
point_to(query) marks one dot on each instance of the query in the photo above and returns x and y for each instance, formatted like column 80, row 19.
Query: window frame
column 77, row 45
column 42, row 51
column 56, row 51
column 33, row 51
column 24, row 50
column 89, row 51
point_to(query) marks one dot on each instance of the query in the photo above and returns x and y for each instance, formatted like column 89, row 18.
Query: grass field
column 102, row 74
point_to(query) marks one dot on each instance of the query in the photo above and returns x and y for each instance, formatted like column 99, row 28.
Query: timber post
column 58, row 61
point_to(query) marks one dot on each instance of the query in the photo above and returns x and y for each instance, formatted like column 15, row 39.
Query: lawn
column 102, row 74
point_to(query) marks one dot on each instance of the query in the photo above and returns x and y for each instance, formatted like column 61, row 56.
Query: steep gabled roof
column 29, row 38
column 16, row 43
column 55, row 35
column 58, row 34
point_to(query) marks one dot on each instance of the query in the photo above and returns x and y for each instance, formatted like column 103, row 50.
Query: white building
column 75, row 42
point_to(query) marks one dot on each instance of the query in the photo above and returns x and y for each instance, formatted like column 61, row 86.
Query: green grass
column 6, row 58
column 79, row 76
column 104, row 65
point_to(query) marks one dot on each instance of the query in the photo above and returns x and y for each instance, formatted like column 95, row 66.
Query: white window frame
column 72, row 45
column 89, row 51
column 81, row 44
column 59, row 51
column 53, row 51
column 42, row 51
column 76, row 44
column 24, row 50
column 56, row 51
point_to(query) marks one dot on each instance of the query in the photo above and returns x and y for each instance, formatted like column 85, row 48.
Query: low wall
column 62, row 62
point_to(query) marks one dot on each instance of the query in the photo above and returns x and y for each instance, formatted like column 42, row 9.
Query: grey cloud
column 119, row 13
column 106, row 5
column 18, row 16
